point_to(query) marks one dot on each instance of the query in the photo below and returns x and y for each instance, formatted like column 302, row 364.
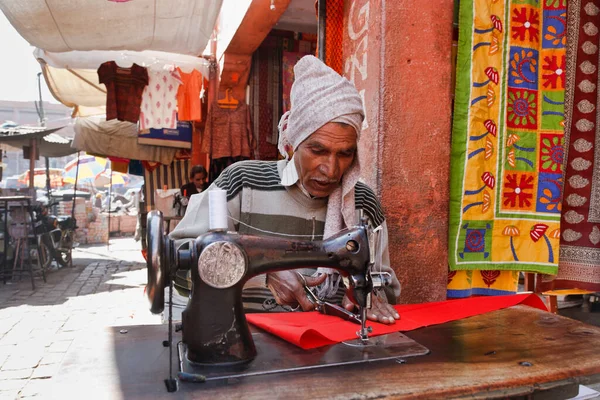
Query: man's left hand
column 380, row 311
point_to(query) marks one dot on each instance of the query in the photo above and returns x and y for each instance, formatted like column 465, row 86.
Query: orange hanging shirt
column 188, row 96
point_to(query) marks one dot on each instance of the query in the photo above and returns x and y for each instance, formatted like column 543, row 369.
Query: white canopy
column 175, row 26
column 77, row 88
column 150, row 59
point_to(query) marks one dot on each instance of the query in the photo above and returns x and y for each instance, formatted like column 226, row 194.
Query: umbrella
column 89, row 168
column 39, row 178
column 103, row 179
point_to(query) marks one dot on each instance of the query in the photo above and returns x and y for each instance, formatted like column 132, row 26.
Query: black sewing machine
column 216, row 339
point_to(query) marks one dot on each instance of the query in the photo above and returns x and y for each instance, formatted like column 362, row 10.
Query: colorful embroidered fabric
column 579, row 265
column 507, row 139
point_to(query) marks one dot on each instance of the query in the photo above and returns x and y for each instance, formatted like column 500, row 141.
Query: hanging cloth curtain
column 506, row 175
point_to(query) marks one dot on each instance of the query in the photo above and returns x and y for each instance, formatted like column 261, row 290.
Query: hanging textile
column 189, row 94
column 265, row 95
column 119, row 164
column 173, row 176
column 506, row 164
column 159, row 100
column 334, row 35
column 124, row 87
column 579, row 262
column 228, row 132
column 288, row 61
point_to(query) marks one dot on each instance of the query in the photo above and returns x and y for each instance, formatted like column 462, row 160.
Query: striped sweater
column 258, row 203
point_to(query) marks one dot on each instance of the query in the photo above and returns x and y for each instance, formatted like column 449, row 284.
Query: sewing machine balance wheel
column 157, row 261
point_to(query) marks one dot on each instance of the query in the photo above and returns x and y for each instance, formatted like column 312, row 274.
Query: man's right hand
column 288, row 288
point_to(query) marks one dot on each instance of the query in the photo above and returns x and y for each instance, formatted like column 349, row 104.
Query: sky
column 18, row 70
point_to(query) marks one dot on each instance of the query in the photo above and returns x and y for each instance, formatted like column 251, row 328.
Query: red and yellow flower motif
column 516, row 190
column 525, row 25
column 554, row 72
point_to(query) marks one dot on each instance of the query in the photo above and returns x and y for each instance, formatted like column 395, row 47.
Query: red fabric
column 124, row 87
column 311, row 329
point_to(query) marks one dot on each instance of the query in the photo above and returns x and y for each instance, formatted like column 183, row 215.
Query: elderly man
column 312, row 196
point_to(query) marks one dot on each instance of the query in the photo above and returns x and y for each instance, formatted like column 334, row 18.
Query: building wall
column 24, row 113
column 398, row 54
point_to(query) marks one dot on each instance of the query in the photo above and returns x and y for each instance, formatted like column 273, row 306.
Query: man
column 312, row 196
column 197, row 177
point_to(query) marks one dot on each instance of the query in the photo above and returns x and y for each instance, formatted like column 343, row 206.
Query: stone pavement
column 104, row 288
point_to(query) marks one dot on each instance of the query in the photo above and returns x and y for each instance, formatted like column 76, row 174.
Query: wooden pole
column 32, row 157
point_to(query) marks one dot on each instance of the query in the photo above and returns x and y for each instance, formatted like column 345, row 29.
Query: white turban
column 320, row 95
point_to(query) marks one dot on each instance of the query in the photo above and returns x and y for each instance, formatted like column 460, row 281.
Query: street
column 104, row 288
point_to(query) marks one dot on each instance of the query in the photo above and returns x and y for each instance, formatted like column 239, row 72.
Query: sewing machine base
column 276, row 355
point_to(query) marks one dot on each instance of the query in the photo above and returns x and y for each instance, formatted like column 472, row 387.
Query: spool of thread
column 217, row 210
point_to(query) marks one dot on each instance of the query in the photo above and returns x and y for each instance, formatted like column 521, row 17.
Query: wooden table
column 485, row 356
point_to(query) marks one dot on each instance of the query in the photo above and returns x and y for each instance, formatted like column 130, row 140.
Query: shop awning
column 175, row 26
column 51, row 144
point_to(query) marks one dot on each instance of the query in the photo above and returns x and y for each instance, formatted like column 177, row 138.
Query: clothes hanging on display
column 159, row 100
column 189, row 96
column 124, row 87
column 228, row 133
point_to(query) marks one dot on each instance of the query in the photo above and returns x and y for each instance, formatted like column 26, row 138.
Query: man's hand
column 380, row 311
column 288, row 288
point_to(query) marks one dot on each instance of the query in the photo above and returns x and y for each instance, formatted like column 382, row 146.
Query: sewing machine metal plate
column 275, row 355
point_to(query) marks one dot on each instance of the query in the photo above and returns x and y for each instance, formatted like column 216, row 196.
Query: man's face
column 324, row 157
column 199, row 180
